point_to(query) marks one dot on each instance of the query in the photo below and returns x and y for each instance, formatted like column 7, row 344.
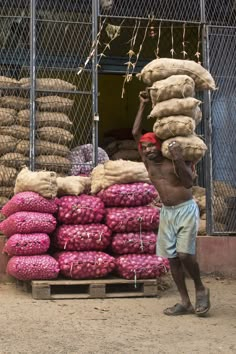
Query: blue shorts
column 178, row 229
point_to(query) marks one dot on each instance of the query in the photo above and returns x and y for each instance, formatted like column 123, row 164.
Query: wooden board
column 92, row 289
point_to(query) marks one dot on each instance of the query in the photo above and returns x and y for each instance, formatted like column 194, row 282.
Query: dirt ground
column 116, row 326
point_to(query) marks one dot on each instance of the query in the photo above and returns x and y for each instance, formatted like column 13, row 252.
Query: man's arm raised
column 137, row 127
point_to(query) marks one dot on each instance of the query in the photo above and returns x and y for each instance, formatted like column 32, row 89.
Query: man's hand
column 144, row 97
column 175, row 150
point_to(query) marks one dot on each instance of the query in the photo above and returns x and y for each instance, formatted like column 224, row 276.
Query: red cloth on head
column 149, row 138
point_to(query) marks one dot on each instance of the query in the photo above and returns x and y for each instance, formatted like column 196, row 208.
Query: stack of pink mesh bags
column 29, row 222
column 134, row 227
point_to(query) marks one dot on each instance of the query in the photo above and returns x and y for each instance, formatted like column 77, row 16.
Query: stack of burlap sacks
column 172, row 84
column 53, row 126
column 123, row 149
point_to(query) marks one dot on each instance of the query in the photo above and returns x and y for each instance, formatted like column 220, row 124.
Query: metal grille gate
column 53, row 39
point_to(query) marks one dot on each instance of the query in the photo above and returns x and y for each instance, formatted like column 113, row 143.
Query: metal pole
column 95, row 83
column 32, row 81
column 207, row 123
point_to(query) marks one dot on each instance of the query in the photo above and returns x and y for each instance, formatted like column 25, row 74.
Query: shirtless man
column 179, row 215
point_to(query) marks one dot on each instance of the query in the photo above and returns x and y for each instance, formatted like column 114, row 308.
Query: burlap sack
column 7, row 116
column 197, row 115
column 45, row 119
column 132, row 155
column 159, row 69
column 120, row 171
column 14, row 102
column 53, row 162
column 225, row 189
column 127, row 145
column 8, row 82
column 54, row 104
column 43, row 182
column 112, row 148
column 173, row 126
column 6, row 191
column 198, row 191
column 7, row 144
column 13, row 159
column 193, row 148
column 175, row 106
column 219, row 209
column 54, row 135
column 7, row 176
column 176, row 86
column 16, row 131
column 48, row 84
column 202, row 227
column 73, row 185
column 3, row 201
column 42, row 148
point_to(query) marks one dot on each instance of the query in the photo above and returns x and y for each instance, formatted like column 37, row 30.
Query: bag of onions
column 25, row 222
column 85, row 265
column 134, row 242
column 27, row 244
column 38, row 267
column 128, row 195
column 92, row 237
column 29, row 201
column 141, row 266
column 83, row 209
column 132, row 219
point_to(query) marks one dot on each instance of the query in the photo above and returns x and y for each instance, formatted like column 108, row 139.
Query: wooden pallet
column 92, row 289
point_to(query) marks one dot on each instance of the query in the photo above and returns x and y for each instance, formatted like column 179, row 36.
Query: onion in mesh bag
column 141, row 266
column 132, row 219
column 132, row 194
column 85, row 265
column 27, row 244
column 37, row 267
column 83, row 209
column 25, row 222
column 29, row 201
column 134, row 242
column 93, row 237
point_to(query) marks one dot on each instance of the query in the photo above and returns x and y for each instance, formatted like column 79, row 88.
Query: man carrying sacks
column 173, row 179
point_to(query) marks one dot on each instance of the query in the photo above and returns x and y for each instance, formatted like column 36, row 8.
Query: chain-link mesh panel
column 220, row 12
column 222, row 62
column 179, row 10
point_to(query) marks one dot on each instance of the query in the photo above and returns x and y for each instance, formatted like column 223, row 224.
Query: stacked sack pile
column 29, row 222
column 80, row 237
column 9, row 135
column 53, row 125
column 126, row 192
column 125, row 149
column 172, row 84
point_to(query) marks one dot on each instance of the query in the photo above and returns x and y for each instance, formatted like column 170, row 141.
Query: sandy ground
column 116, row 326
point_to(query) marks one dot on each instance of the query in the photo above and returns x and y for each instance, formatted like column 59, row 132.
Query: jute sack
column 3, row 201
column 16, row 131
column 159, row 69
column 54, row 104
column 73, row 185
column 223, row 188
column 53, row 162
column 220, row 209
column 55, row 135
column 45, row 119
column 173, row 126
column 197, row 115
column 42, row 182
column 127, row 145
column 6, row 191
column 8, row 82
column 7, row 176
column 175, row 106
column 42, row 148
column 97, row 177
column 13, row 159
column 198, row 191
column 14, row 102
column 202, row 227
column 7, row 144
column 7, row 116
column 193, row 148
column 132, row 155
column 48, row 84
column 176, row 86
